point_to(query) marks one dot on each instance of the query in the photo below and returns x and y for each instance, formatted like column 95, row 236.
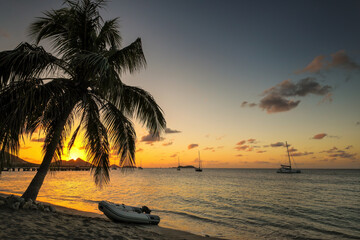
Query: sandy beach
column 68, row 223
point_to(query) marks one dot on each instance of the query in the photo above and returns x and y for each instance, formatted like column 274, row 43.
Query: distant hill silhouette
column 14, row 161
column 114, row 166
column 189, row 166
column 72, row 163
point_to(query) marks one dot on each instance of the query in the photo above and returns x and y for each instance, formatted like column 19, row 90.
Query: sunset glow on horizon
column 235, row 80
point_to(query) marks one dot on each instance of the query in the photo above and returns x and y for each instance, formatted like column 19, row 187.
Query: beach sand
column 68, row 223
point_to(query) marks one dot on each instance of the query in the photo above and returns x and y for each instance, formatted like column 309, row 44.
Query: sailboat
column 287, row 168
column 140, row 167
column 178, row 168
column 199, row 169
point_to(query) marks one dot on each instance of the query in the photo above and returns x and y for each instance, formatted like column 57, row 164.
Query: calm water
column 227, row 203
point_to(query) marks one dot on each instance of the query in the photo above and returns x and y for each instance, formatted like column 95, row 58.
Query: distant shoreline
column 67, row 223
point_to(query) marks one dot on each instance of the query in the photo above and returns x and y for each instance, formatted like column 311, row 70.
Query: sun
column 76, row 153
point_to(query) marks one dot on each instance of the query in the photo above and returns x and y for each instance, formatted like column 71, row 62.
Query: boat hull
column 128, row 214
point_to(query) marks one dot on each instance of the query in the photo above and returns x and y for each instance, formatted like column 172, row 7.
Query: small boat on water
column 199, row 169
column 178, row 168
column 287, row 168
column 129, row 214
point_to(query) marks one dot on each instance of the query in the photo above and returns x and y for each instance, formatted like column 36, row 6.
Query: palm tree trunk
column 33, row 189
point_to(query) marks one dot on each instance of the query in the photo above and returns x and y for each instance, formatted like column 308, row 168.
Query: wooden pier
column 33, row 169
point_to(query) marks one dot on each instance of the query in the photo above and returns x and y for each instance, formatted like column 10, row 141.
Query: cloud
column 341, row 60
column 251, row 140
column 338, row 60
column 357, row 123
column 298, row 154
column 208, row 148
column 239, row 155
column 241, row 142
column 335, row 153
column 38, row 139
column 260, row 151
column 315, row 66
column 139, row 150
column 348, row 147
column 241, row 148
column 193, row 145
column 167, row 144
column 247, row 104
column 319, row 136
column 150, row 139
column 275, row 104
column 168, row 131
column 174, row 155
column 220, row 147
column 278, row 144
column 343, row 154
column 275, row 98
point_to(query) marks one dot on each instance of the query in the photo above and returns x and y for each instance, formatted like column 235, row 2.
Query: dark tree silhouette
column 80, row 80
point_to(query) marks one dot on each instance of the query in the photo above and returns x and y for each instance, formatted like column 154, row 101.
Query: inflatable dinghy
column 129, row 214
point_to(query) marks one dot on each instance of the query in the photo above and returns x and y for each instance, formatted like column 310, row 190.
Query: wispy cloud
column 167, row 144
column 278, row 144
column 193, row 145
column 139, row 150
column 340, row 59
column 260, row 151
column 174, row 155
column 319, row 136
column 168, row 131
column 335, row 153
column 150, row 139
column 247, row 104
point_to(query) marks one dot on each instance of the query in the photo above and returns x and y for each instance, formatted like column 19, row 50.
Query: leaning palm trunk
column 34, row 187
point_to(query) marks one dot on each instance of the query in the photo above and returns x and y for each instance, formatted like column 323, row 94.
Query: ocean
column 225, row 203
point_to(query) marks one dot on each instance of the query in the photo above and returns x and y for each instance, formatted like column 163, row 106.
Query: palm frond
column 96, row 141
column 138, row 103
column 122, row 133
column 130, row 58
column 109, row 35
column 26, row 61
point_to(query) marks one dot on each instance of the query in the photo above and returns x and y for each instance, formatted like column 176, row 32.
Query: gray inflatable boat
column 129, row 214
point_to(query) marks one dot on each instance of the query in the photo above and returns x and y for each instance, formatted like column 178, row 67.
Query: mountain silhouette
column 14, row 161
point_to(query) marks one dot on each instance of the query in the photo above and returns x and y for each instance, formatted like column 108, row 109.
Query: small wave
column 194, row 217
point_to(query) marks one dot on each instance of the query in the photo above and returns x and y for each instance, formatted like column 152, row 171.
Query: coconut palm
column 76, row 89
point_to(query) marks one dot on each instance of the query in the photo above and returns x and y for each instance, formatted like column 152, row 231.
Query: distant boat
column 178, row 168
column 287, row 168
column 199, row 169
column 140, row 167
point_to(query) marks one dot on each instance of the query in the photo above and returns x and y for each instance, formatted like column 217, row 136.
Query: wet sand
column 68, row 223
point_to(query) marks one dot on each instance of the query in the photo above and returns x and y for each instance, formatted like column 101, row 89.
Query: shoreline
column 68, row 223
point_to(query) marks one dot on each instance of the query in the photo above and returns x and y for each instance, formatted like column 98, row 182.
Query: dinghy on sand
column 129, row 214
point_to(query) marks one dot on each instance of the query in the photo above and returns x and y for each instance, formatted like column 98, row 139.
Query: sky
column 235, row 79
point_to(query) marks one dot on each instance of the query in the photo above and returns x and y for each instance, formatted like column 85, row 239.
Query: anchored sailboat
column 287, row 168
column 199, row 169
column 178, row 168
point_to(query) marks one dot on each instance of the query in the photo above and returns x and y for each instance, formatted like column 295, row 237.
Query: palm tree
column 80, row 84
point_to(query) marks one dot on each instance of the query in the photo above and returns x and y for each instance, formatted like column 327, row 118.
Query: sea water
column 226, row 203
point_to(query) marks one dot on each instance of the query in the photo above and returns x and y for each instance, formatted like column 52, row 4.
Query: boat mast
column 287, row 148
column 199, row 159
